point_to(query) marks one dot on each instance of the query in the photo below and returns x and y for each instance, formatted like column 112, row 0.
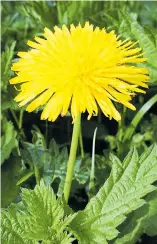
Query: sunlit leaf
column 121, row 194
column 39, row 217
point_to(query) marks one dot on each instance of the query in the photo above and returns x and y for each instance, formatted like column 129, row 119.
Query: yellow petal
column 79, row 68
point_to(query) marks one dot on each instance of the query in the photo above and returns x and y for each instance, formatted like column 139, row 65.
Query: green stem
column 19, row 153
column 46, row 132
column 21, row 119
column 121, row 123
column 72, row 157
column 92, row 173
column 99, row 117
column 120, row 132
column 18, row 122
column 15, row 117
column 81, row 143
column 129, row 132
column 37, row 175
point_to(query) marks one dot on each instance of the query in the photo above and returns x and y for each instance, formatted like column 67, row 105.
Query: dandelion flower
column 80, row 69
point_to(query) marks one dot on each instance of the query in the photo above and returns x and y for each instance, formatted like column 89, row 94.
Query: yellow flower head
column 79, row 68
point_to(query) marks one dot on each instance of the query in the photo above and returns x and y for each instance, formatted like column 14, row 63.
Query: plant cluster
column 113, row 193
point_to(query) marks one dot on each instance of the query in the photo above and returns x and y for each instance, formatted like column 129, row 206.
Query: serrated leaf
column 121, row 194
column 143, row 220
column 7, row 56
column 81, row 170
column 8, row 139
column 102, row 169
column 40, row 217
column 12, row 227
column 52, row 162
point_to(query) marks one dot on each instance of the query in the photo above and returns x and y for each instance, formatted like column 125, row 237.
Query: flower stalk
column 72, row 157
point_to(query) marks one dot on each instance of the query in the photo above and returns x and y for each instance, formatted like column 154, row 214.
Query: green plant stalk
column 37, row 175
column 20, row 119
column 92, row 172
column 120, row 132
column 24, row 178
column 15, row 117
column 99, row 117
column 46, row 132
column 121, row 123
column 19, row 125
column 81, row 143
column 72, row 157
column 19, row 153
column 18, row 122
column 21, row 122
column 130, row 130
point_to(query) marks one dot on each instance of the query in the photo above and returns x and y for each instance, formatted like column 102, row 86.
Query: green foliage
column 127, row 133
column 7, row 92
column 74, row 12
column 9, row 174
column 40, row 216
column 51, row 161
column 143, row 220
column 127, row 137
column 147, row 40
column 118, row 204
column 6, row 65
column 149, row 129
column 121, row 194
column 8, row 139
column 147, row 134
column 126, row 22
column 150, row 222
column 118, row 213
column 39, row 12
